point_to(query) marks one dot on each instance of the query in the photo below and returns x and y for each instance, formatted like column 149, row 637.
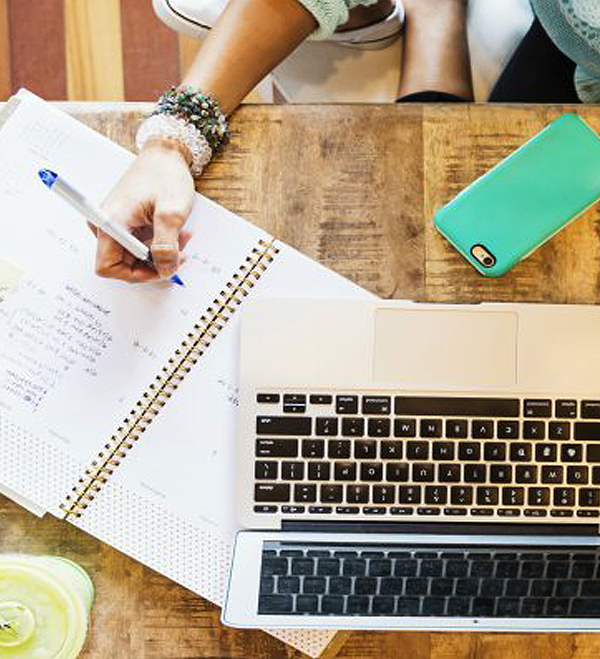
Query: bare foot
column 362, row 16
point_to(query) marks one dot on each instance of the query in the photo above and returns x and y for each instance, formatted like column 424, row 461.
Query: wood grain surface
column 355, row 188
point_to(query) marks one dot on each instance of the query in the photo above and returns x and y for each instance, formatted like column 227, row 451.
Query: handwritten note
column 47, row 338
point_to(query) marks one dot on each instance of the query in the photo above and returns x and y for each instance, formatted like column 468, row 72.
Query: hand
column 152, row 200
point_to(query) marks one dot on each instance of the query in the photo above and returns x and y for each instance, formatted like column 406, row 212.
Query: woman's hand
column 152, row 200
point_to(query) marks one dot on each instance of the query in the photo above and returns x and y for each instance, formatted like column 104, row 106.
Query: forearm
column 249, row 40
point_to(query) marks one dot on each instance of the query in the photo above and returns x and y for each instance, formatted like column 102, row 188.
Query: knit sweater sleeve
column 330, row 14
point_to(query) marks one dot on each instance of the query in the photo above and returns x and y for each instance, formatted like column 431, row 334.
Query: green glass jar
column 44, row 607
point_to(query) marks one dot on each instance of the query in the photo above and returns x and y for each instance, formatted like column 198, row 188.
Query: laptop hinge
column 454, row 528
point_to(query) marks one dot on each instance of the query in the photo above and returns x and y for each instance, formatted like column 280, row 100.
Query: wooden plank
column 94, row 50
column 150, row 52
column 5, row 74
column 37, row 47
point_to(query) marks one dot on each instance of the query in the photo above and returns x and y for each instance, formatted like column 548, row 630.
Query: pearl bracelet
column 170, row 126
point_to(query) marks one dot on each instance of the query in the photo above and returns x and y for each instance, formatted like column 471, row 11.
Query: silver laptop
column 418, row 466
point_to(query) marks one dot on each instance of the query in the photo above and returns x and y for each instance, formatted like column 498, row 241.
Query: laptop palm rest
column 445, row 348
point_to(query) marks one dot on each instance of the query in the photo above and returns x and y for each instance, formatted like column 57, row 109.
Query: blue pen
column 98, row 219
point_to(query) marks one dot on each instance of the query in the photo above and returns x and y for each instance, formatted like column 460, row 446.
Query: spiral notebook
column 117, row 402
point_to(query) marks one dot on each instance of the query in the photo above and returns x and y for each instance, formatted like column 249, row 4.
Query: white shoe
column 195, row 17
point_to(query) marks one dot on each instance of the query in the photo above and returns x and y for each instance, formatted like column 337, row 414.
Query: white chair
column 319, row 72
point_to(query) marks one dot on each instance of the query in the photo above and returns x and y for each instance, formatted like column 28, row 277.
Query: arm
column 155, row 196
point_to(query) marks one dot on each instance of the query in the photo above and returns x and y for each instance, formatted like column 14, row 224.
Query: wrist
column 172, row 145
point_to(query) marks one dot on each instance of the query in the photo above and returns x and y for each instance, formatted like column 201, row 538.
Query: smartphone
column 524, row 200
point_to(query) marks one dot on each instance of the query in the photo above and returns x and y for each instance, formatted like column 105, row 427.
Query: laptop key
column 271, row 492
column 442, row 587
column 376, row 404
column 267, row 398
column 378, row 428
column 483, row 606
column 417, row 450
column 475, row 473
column 313, row 448
column 314, row 585
column 409, row 494
column 328, row 567
column 405, row 428
column 571, row 452
column 275, row 604
column 273, row 566
column 353, row 427
column 423, row 473
column 590, row 409
column 559, row 430
column 344, row 471
column 365, row 449
column 340, row 585
column 508, row 430
column 371, row 471
column 461, row 495
column 332, row 494
column 357, row 605
column 566, row 409
column 292, row 471
column 288, row 585
column 449, row 473
column 534, row 430
column 357, row 494
column 405, row 568
column 532, row 606
column 520, row 452
column 587, row 431
column 338, row 449
column 365, row 586
column 305, row 493
column 540, row 407
column 307, row 604
column 456, row 406
column 319, row 471
column 407, row 606
column 390, row 450
column 482, row 429
column 333, row 604
column 456, row 428
column 320, row 399
column 383, row 605
column 430, row 427
column 487, row 496
column 265, row 470
column 326, row 426
column 276, row 448
column 397, row 472
column 436, row 494
column 526, row 474
column 267, row 585
column 302, row 566
column 442, row 450
column 513, row 496
column 383, row 494
column 589, row 497
column 458, row 606
column 346, row 404
column 433, row 606
column 494, row 451
column 283, row 425
column 469, row 451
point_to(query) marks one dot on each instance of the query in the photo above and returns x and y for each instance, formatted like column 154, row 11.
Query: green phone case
column 527, row 198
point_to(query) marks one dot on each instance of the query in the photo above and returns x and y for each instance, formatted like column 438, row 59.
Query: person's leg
column 538, row 72
column 435, row 60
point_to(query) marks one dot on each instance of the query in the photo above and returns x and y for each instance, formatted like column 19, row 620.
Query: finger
column 165, row 243
column 93, row 229
column 184, row 239
column 112, row 260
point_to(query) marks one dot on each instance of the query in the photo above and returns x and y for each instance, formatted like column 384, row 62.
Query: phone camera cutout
column 483, row 256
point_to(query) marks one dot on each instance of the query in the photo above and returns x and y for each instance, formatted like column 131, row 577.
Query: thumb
column 165, row 242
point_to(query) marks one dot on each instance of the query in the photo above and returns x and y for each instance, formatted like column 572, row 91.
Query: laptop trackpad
column 445, row 348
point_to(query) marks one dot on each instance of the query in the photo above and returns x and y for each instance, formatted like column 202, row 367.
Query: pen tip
column 48, row 177
column 175, row 279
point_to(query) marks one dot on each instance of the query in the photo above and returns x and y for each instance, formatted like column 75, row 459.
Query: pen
column 116, row 231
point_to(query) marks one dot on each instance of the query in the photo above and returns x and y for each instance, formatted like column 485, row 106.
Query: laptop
column 418, row 466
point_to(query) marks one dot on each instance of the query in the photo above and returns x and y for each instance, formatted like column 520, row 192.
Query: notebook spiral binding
column 158, row 393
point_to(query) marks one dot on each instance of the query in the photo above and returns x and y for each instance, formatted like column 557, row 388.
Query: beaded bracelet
column 200, row 110
column 190, row 117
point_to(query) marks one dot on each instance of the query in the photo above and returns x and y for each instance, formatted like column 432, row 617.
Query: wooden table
column 355, row 188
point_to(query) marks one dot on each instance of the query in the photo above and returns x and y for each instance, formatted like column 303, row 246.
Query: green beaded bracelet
column 202, row 111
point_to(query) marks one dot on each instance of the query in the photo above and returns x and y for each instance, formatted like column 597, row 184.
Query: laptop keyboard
column 340, row 455
column 451, row 581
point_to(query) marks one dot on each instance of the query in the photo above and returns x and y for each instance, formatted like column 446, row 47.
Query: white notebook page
column 77, row 351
